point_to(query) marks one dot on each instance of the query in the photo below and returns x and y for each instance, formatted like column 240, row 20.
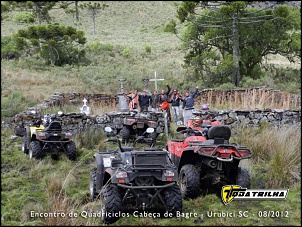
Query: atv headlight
column 121, row 175
column 169, row 173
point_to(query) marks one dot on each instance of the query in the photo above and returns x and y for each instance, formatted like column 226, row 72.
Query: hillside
column 130, row 42
column 132, row 26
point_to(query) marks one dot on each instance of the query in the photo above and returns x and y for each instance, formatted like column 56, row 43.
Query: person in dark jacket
column 188, row 106
column 154, row 101
column 144, row 101
column 175, row 99
column 164, row 95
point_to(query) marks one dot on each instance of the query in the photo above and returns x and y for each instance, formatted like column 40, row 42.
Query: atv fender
column 28, row 136
column 99, row 172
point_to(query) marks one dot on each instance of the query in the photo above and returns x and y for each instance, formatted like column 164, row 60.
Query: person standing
column 163, row 101
column 154, row 101
column 175, row 99
column 133, row 100
column 188, row 106
column 144, row 101
column 164, row 95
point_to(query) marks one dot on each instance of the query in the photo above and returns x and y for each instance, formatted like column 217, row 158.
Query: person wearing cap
column 144, row 101
column 175, row 99
column 188, row 106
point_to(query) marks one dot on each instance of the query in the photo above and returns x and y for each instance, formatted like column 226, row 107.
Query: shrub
column 9, row 48
column 126, row 52
column 170, row 26
column 98, row 47
column 90, row 138
column 23, row 17
column 13, row 104
column 148, row 49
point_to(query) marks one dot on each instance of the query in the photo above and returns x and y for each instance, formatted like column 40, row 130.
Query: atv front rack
column 146, row 186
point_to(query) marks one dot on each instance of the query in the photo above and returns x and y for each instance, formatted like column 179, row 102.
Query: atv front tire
column 173, row 199
column 126, row 133
column 111, row 203
column 189, row 181
column 35, row 150
column 92, row 185
column 71, row 150
column 243, row 178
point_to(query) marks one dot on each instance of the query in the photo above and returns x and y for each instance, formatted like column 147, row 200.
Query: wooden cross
column 155, row 80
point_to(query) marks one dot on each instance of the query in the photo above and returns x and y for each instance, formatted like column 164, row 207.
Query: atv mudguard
column 129, row 121
column 100, row 171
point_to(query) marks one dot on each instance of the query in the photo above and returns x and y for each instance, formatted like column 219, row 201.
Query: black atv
column 49, row 137
column 140, row 179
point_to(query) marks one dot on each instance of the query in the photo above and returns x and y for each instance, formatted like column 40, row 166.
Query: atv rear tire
column 173, row 199
column 35, row 150
column 71, row 150
column 126, row 133
column 92, row 185
column 243, row 178
column 111, row 203
column 189, row 181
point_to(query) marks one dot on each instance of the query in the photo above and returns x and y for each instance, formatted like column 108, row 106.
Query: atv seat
column 125, row 149
column 54, row 126
column 215, row 141
column 219, row 131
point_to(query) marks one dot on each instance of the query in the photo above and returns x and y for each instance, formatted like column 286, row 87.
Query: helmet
column 205, row 106
column 197, row 120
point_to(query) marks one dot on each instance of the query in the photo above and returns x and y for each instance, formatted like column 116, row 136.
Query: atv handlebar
column 190, row 131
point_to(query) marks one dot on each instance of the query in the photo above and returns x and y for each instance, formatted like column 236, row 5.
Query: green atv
column 49, row 137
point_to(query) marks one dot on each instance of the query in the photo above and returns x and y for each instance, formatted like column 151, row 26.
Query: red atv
column 206, row 160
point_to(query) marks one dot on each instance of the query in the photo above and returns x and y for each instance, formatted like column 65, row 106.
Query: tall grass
column 276, row 152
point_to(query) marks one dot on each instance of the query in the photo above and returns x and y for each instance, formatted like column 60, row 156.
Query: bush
column 98, row 47
column 171, row 26
column 248, row 82
column 148, row 49
column 13, row 104
column 126, row 52
column 9, row 48
column 227, row 86
column 23, row 17
column 90, row 138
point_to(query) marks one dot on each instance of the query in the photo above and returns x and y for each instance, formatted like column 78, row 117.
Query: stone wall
column 250, row 118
